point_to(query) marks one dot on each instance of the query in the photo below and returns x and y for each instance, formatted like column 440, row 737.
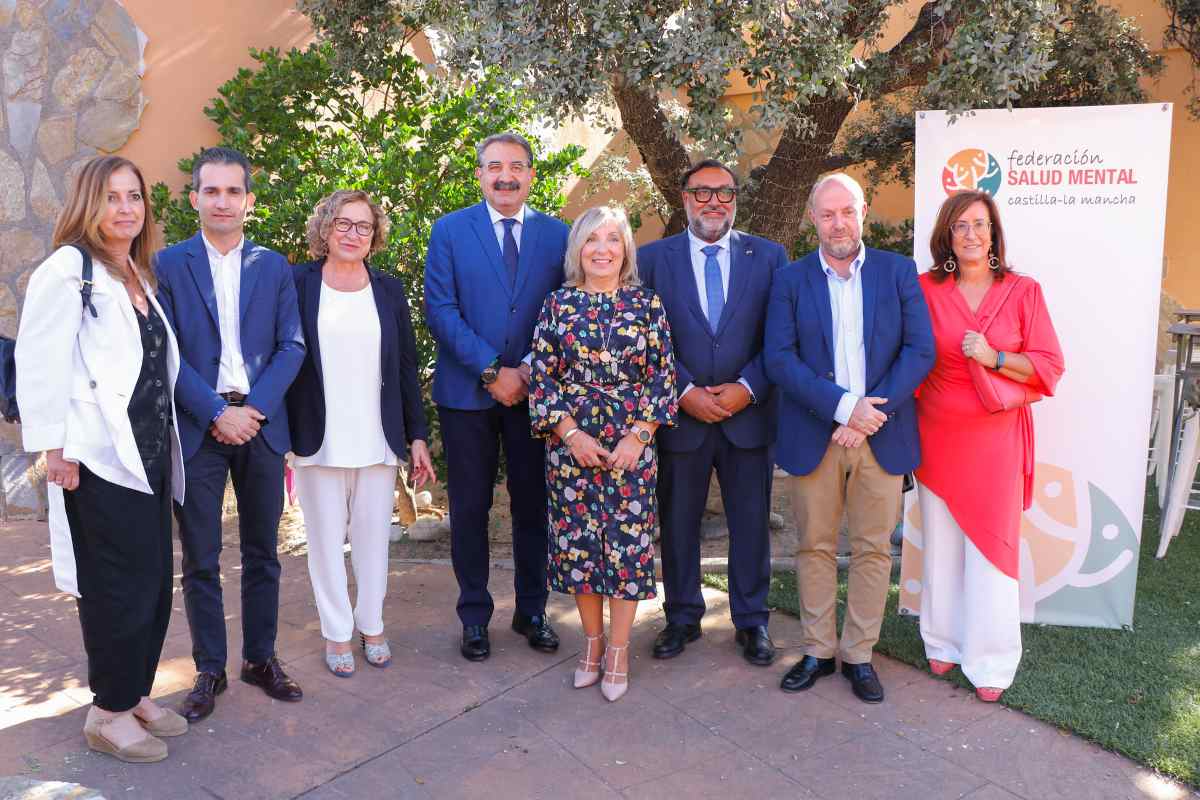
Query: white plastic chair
column 1160, row 434
column 1179, row 496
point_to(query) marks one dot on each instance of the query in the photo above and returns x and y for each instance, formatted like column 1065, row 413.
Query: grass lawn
column 1136, row 692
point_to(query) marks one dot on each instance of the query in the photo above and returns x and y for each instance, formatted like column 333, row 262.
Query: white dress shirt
column 498, row 228
column 349, row 333
column 227, row 284
column 696, row 247
column 498, row 225
column 849, row 349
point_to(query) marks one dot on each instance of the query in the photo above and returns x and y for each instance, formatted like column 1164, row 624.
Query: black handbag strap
column 85, row 287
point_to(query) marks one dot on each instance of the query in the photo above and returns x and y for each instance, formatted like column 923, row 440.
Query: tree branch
column 911, row 60
column 664, row 155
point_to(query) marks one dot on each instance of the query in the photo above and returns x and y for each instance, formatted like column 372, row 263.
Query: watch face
column 644, row 437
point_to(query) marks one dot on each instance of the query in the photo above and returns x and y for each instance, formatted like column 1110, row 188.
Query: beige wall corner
column 193, row 48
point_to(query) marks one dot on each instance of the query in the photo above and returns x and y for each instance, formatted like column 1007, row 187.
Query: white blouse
column 349, row 335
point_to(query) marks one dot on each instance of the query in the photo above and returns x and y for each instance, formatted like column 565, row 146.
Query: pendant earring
column 993, row 262
column 950, row 265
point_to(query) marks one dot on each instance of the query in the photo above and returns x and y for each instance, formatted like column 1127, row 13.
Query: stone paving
column 704, row 725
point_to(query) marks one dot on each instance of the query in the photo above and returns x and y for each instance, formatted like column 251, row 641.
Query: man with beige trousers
column 848, row 340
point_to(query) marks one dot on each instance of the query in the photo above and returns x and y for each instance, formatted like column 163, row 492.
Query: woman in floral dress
column 603, row 380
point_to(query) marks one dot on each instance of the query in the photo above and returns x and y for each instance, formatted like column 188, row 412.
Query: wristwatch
column 490, row 373
column 644, row 436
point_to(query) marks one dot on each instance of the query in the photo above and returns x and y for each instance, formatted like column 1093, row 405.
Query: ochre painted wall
column 194, row 46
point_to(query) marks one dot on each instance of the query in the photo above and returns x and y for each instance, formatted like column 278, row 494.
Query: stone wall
column 72, row 88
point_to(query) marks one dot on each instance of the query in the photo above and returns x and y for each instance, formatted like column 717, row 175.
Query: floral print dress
column 605, row 360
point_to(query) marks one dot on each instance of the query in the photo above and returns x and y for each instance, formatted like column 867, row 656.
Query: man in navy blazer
column 714, row 283
column 233, row 306
column 487, row 274
column 848, row 341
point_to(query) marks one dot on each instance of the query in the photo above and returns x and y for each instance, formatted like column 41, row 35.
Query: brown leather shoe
column 270, row 677
column 202, row 699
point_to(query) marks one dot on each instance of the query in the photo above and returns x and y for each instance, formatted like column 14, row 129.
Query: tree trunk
column 664, row 155
column 776, row 210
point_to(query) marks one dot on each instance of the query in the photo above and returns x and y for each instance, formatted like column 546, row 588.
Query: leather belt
column 234, row 398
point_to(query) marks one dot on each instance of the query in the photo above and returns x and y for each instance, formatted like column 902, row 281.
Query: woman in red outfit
column 996, row 352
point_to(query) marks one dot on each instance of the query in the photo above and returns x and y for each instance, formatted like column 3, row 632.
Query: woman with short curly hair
column 355, row 411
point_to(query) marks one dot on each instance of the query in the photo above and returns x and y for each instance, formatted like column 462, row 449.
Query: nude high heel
column 613, row 689
column 584, row 674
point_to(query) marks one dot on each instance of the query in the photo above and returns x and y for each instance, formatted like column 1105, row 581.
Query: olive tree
column 666, row 68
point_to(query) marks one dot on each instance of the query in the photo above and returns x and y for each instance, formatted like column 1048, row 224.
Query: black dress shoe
column 756, row 644
column 202, row 699
column 864, row 682
column 674, row 638
column 805, row 673
column 270, row 677
column 537, row 630
column 475, row 644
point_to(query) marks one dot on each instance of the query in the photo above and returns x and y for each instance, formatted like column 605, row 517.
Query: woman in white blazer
column 96, row 385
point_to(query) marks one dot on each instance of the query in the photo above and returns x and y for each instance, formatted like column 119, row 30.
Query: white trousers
column 340, row 503
column 970, row 611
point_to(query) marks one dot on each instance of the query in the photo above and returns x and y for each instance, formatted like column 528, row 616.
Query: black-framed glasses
column 515, row 167
column 702, row 194
column 982, row 228
column 343, row 225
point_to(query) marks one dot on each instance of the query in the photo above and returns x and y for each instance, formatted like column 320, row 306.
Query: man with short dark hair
column 233, row 306
column 487, row 274
column 714, row 283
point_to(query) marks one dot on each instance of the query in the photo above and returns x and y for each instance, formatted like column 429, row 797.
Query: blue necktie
column 510, row 250
column 713, row 289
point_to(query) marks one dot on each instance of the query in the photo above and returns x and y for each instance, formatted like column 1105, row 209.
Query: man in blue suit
column 848, row 341
column 233, row 306
column 714, row 283
column 487, row 274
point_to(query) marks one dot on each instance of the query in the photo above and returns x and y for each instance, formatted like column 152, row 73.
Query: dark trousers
column 257, row 473
column 122, row 543
column 745, row 480
column 473, row 440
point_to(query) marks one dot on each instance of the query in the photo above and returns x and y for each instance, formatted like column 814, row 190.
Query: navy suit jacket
column 399, row 391
column 473, row 312
column 705, row 358
column 898, row 340
column 272, row 344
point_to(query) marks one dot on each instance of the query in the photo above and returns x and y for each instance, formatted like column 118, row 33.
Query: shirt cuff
column 845, row 408
column 686, row 389
column 528, row 359
column 746, row 383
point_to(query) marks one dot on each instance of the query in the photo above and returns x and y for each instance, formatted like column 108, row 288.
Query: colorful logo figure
column 972, row 169
column 1078, row 558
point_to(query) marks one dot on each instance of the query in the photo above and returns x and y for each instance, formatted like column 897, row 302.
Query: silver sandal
column 340, row 664
column 378, row 654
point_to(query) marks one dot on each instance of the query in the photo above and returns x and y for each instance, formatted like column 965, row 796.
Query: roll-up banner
column 1082, row 194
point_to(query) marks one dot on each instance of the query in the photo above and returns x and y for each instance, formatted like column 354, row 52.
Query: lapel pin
column 749, row 252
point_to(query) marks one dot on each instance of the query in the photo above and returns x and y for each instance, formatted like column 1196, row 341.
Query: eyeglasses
column 702, row 194
column 981, row 227
column 343, row 225
column 515, row 167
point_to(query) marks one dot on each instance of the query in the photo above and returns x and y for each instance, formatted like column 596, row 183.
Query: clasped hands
column 511, row 385
column 237, row 424
column 865, row 420
column 715, row 403
column 588, row 452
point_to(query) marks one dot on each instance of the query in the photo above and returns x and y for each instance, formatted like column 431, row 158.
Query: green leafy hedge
column 407, row 137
